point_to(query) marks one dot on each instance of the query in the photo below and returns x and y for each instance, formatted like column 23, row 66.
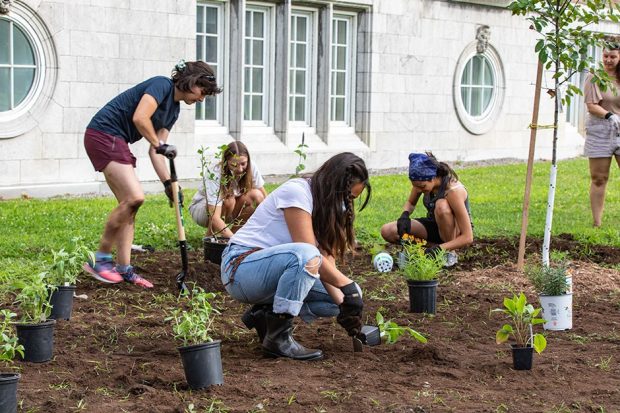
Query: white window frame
column 264, row 125
column 479, row 125
column 221, row 62
column 27, row 114
column 346, row 126
column 311, row 68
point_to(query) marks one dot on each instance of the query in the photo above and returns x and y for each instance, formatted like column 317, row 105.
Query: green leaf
column 540, row 343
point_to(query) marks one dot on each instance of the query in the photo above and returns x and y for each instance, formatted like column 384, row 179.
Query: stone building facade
column 381, row 78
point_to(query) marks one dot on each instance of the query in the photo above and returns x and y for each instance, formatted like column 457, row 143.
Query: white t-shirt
column 213, row 186
column 267, row 226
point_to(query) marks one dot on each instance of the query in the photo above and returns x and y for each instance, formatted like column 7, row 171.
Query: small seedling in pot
column 33, row 298
column 9, row 346
column 523, row 317
column 193, row 325
column 391, row 332
column 417, row 265
column 67, row 264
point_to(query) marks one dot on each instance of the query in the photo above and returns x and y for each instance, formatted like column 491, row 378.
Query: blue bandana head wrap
column 421, row 167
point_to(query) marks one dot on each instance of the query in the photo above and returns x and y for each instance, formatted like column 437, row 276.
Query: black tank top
column 430, row 200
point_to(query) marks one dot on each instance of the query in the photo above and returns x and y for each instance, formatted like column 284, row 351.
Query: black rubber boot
column 254, row 317
column 279, row 341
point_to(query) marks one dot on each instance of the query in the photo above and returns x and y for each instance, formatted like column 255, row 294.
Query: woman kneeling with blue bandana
column 447, row 224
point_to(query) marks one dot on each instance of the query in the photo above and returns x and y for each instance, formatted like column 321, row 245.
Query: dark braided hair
column 333, row 212
column 186, row 75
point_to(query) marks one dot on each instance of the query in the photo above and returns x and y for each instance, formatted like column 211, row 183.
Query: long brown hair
column 333, row 212
column 235, row 149
column 186, row 75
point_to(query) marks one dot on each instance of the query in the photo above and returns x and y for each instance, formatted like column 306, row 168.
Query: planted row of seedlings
column 48, row 296
column 552, row 283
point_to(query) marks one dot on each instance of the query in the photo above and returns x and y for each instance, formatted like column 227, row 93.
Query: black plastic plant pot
column 202, row 364
column 522, row 357
column 37, row 339
column 62, row 302
column 213, row 250
column 422, row 296
column 8, row 392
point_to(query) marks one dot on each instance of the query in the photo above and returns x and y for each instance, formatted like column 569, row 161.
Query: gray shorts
column 602, row 140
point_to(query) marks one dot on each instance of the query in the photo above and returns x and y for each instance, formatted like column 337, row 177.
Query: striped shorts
column 602, row 139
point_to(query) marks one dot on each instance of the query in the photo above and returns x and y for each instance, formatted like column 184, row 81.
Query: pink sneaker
column 131, row 277
column 104, row 271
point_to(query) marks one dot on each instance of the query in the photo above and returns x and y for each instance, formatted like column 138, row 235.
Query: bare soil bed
column 118, row 355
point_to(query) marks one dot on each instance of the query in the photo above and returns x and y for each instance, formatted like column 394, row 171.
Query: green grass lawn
column 32, row 228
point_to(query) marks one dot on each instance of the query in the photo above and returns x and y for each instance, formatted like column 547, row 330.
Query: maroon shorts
column 103, row 148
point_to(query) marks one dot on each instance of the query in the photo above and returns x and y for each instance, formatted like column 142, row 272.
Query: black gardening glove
column 169, row 151
column 168, row 190
column 350, row 317
column 403, row 224
column 433, row 251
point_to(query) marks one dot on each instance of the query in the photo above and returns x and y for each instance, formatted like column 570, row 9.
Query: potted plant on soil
column 556, row 299
column 200, row 354
column 420, row 271
column 523, row 317
column 9, row 348
column 62, row 275
column 35, row 330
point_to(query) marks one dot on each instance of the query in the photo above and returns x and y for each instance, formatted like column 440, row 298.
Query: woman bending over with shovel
column 447, row 224
column 282, row 259
column 147, row 110
column 231, row 194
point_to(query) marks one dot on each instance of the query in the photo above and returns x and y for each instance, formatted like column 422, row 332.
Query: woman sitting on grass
column 447, row 224
column 231, row 196
column 282, row 259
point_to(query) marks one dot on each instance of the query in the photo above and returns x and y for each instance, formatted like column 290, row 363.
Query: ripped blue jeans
column 278, row 275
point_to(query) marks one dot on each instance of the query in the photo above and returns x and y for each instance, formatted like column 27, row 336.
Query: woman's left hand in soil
column 168, row 190
column 350, row 317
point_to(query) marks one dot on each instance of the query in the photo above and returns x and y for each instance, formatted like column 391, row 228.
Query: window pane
column 246, row 107
column 340, row 83
column 342, row 58
column 300, row 82
column 210, row 105
column 342, row 32
column 300, row 56
column 291, row 108
column 300, row 108
column 293, row 28
column 23, row 83
column 488, row 74
column 486, row 98
column 198, row 113
column 257, row 108
column 291, row 53
column 247, row 81
column 211, row 49
column 5, row 26
column 199, row 47
column 211, row 23
column 291, row 81
column 258, row 25
column 248, row 23
column 257, row 80
column 257, row 52
column 200, row 21
column 339, row 109
column 477, row 68
column 248, row 51
column 301, row 29
column 465, row 99
column 22, row 52
column 476, row 102
column 466, row 78
column 5, row 87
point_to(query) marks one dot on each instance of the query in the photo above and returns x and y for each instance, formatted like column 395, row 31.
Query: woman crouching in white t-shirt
column 232, row 195
column 282, row 260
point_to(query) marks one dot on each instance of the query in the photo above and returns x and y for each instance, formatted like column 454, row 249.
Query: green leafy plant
column 419, row 266
column 548, row 280
column 300, row 150
column 33, row 297
column 193, row 325
column 9, row 346
column 391, row 332
column 67, row 265
column 523, row 316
